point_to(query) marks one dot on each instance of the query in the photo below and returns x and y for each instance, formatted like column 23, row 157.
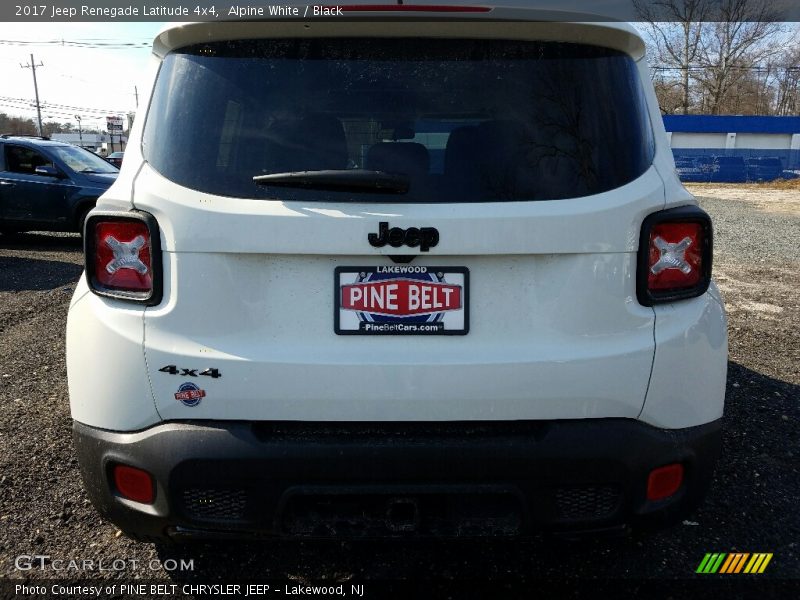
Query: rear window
column 459, row 120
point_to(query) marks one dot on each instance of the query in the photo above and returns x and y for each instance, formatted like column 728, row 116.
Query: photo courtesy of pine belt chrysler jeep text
column 432, row 274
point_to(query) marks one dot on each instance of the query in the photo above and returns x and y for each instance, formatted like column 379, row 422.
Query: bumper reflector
column 134, row 484
column 664, row 481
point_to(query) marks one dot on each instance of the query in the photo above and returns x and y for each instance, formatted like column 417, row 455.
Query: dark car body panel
column 115, row 158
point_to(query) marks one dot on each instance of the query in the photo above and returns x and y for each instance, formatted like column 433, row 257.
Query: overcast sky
column 95, row 78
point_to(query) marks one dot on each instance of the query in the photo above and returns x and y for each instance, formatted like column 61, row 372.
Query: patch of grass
column 778, row 184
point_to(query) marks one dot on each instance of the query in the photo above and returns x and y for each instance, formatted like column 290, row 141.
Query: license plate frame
column 449, row 321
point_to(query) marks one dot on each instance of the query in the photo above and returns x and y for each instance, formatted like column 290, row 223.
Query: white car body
column 555, row 329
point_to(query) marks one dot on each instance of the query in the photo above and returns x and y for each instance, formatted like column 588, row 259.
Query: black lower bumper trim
column 240, row 479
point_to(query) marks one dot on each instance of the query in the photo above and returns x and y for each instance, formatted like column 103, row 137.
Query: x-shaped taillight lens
column 675, row 255
column 122, row 256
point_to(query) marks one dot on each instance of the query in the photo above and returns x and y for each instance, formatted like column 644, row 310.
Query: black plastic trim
column 682, row 214
column 272, row 461
column 83, row 207
column 156, row 294
column 402, row 259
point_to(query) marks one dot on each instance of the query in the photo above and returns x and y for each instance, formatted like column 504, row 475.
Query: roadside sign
column 114, row 124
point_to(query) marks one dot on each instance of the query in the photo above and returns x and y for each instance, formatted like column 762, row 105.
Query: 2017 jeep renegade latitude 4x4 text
column 415, row 276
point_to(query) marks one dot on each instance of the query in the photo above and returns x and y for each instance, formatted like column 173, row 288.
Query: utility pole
column 136, row 95
column 80, row 131
column 32, row 67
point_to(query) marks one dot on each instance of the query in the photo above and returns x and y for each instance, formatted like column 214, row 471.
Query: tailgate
column 554, row 327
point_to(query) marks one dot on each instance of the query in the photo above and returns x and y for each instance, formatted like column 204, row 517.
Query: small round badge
column 190, row 394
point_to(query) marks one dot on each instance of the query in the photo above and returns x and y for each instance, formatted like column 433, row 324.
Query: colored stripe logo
column 736, row 562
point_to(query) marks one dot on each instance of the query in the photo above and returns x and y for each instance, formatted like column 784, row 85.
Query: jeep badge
column 424, row 237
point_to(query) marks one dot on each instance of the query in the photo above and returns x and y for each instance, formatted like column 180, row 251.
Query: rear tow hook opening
column 402, row 515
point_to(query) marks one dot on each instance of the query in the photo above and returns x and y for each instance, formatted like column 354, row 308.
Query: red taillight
column 676, row 256
column 134, row 484
column 675, row 252
column 123, row 256
column 664, row 481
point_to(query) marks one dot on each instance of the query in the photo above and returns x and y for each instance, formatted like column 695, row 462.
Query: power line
column 54, row 105
column 80, row 44
column 49, row 113
column 756, row 69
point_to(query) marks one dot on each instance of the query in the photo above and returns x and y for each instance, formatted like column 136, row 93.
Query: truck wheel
column 82, row 218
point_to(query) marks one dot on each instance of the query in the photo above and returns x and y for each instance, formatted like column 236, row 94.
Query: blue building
column 734, row 148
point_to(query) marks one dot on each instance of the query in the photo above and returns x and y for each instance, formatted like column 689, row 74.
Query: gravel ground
column 752, row 506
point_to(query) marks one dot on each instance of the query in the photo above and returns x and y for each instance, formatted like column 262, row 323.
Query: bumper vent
column 589, row 502
column 216, row 504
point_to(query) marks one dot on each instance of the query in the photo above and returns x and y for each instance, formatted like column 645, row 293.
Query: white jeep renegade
column 431, row 273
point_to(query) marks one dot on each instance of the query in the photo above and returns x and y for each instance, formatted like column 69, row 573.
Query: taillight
column 675, row 252
column 123, row 256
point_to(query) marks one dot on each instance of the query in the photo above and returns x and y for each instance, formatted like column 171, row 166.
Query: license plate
column 401, row 300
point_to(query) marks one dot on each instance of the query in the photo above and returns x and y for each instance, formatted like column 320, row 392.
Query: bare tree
column 745, row 36
column 787, row 82
column 16, row 125
column 669, row 92
column 721, row 56
column 676, row 29
column 753, row 95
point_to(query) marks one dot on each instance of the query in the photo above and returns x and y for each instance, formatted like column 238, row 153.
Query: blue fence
column 736, row 166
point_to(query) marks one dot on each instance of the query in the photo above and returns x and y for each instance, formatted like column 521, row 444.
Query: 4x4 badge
column 424, row 237
column 173, row 370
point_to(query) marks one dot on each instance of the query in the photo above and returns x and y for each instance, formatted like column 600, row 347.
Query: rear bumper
column 238, row 479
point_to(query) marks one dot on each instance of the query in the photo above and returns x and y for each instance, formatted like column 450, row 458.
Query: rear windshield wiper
column 345, row 180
